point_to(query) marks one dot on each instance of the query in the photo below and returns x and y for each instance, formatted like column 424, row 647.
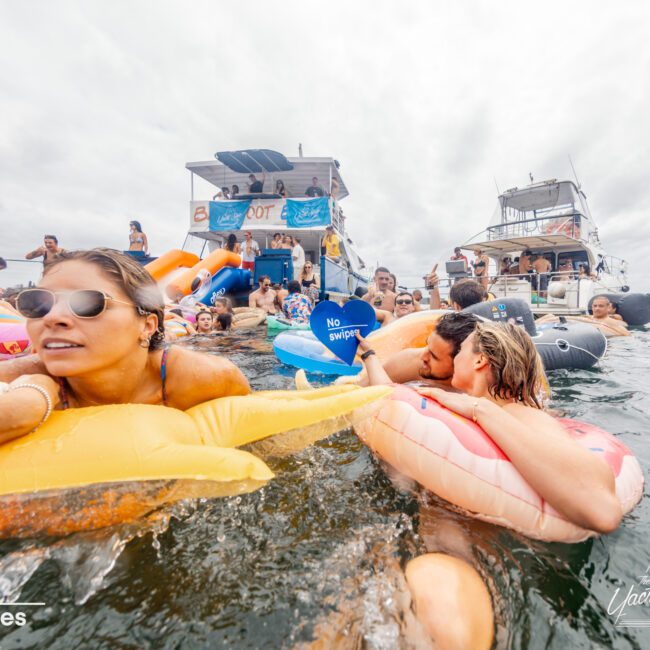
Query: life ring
column 454, row 458
column 97, row 466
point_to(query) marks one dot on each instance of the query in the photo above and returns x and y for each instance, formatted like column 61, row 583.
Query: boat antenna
column 497, row 185
column 300, row 149
column 574, row 171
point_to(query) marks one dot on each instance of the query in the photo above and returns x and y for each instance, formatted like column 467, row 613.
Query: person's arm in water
column 194, row 377
column 23, row 408
column 573, row 480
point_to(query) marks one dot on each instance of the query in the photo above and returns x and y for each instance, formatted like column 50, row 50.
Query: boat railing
column 572, row 224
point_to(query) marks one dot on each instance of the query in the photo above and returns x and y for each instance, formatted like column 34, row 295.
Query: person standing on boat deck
column 480, row 265
column 264, row 297
column 255, row 186
column 49, row 251
column 309, row 282
column 234, row 193
column 458, row 256
column 249, row 251
column 298, row 258
column 287, row 243
column 276, row 242
column 137, row 239
column 223, row 194
column 542, row 267
column 379, row 295
column 506, row 263
column 232, row 245
column 281, row 189
column 331, row 244
column 525, row 264
column 335, row 188
column 315, row 189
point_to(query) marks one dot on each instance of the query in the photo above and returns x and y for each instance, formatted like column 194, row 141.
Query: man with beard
column 433, row 362
column 264, row 297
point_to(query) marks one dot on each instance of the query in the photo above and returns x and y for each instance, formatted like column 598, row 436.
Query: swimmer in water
column 204, row 323
column 96, row 323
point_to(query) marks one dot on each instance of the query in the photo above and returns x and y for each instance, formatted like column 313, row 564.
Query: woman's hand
column 460, row 403
column 363, row 344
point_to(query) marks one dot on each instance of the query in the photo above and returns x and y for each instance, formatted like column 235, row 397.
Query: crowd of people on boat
column 255, row 186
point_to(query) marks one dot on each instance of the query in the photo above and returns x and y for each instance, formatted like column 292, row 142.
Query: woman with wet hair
column 499, row 374
column 96, row 323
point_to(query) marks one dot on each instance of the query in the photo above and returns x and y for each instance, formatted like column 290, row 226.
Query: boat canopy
column 233, row 168
column 540, row 201
column 254, row 161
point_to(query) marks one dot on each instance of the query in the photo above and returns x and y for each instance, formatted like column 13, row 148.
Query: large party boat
column 292, row 196
column 549, row 219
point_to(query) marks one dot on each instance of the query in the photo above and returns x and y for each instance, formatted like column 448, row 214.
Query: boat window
column 576, row 258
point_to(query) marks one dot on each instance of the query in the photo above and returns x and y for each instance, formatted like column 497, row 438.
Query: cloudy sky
column 425, row 104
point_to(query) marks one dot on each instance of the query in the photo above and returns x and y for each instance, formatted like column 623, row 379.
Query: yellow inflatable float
column 98, row 466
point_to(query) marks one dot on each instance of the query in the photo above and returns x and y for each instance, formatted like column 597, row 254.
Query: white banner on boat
column 266, row 212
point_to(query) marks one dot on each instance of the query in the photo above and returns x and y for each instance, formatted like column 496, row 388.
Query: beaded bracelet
column 44, row 393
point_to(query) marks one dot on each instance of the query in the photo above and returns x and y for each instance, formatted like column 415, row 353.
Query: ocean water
column 318, row 553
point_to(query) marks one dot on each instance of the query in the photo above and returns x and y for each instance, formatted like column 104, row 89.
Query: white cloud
column 424, row 104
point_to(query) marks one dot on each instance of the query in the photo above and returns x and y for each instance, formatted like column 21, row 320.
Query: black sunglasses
column 83, row 303
column 404, row 302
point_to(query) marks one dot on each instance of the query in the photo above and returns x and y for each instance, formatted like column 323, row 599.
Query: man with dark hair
column 3, row 264
column 436, row 360
column 315, row 189
column 255, row 186
column 49, row 251
column 466, row 293
column 264, row 297
column 379, row 295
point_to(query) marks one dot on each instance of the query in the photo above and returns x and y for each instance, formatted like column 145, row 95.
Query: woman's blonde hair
column 515, row 367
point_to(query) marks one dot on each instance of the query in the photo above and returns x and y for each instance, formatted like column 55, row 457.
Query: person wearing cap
column 331, row 243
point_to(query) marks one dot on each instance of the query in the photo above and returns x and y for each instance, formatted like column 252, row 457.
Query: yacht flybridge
column 277, row 200
column 550, row 219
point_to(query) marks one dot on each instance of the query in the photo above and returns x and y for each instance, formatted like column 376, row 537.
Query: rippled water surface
column 318, row 552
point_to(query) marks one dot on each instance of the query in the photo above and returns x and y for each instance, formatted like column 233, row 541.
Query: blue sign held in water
column 335, row 326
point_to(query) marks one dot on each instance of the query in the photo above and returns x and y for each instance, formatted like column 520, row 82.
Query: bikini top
column 136, row 239
column 65, row 402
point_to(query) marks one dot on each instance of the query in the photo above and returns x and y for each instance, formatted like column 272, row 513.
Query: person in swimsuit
column 49, row 251
column 232, row 245
column 96, row 323
column 309, row 282
column 480, row 265
column 276, row 242
column 137, row 239
column 204, row 322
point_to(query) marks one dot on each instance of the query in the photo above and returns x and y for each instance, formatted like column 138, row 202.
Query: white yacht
column 278, row 200
column 549, row 219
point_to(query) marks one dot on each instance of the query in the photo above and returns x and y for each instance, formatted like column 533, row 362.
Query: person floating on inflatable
column 96, row 323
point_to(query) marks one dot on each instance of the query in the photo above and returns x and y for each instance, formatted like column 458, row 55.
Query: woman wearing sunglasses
column 96, row 324
column 404, row 305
